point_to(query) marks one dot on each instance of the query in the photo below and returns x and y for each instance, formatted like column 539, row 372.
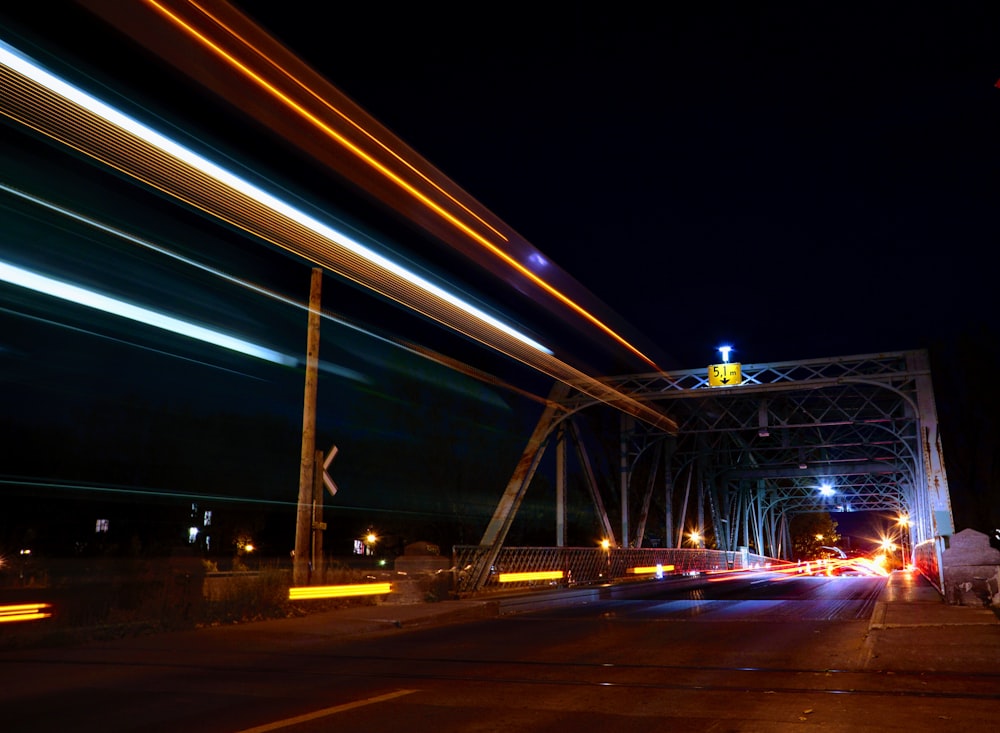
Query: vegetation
column 811, row 533
column 112, row 600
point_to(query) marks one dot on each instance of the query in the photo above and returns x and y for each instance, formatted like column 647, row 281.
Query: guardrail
column 537, row 567
column 925, row 559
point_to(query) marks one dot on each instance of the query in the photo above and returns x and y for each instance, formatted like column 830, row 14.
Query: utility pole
column 318, row 525
column 307, row 465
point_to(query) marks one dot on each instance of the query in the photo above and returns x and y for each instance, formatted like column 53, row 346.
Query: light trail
column 19, row 612
column 272, row 88
column 338, row 591
column 22, row 484
column 21, row 64
column 44, row 102
column 145, row 244
column 95, row 334
column 91, row 299
column 410, row 347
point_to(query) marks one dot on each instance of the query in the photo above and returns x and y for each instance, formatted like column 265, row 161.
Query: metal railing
column 536, row 567
column 926, row 560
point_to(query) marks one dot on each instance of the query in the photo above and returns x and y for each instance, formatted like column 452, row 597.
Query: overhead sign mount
column 726, row 374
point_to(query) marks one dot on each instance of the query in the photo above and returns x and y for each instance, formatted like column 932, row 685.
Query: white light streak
column 81, row 296
column 22, row 64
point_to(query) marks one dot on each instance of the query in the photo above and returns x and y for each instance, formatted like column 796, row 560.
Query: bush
column 249, row 597
column 101, row 602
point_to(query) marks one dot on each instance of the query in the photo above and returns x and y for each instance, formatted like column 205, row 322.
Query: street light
column 25, row 553
column 888, row 546
column 606, row 546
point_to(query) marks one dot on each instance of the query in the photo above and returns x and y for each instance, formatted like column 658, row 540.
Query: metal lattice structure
column 589, row 565
column 844, row 434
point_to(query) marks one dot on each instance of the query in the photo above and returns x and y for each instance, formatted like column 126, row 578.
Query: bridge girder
column 759, row 451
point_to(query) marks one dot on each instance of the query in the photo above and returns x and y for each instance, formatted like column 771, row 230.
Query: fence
column 526, row 567
column 925, row 559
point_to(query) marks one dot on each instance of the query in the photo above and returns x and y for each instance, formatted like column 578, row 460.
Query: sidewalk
column 913, row 629
column 356, row 620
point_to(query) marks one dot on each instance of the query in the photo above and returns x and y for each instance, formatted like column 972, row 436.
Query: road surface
column 760, row 653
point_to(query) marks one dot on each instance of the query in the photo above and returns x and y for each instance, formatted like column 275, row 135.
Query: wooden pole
column 318, row 525
column 307, row 463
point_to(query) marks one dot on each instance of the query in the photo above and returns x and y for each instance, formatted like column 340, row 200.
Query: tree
column 810, row 533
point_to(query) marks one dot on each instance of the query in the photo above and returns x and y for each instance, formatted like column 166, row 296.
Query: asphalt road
column 742, row 655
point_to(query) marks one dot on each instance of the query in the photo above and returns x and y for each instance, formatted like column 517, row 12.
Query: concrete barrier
column 971, row 570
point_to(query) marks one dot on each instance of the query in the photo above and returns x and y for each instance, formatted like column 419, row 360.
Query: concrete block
column 971, row 570
column 970, row 547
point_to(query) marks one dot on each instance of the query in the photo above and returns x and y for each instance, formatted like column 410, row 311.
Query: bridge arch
column 756, row 452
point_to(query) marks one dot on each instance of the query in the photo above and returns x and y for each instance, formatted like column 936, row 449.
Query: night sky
column 799, row 179
column 796, row 180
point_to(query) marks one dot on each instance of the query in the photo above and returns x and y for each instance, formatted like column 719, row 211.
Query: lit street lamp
column 888, row 547
column 24, row 559
column 606, row 546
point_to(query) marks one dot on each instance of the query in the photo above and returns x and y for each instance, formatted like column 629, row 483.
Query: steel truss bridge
column 745, row 458
column 739, row 461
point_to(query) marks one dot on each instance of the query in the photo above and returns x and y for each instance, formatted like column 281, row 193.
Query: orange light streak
column 378, row 166
column 651, row 569
column 302, row 593
column 535, row 575
column 24, row 612
column 316, row 121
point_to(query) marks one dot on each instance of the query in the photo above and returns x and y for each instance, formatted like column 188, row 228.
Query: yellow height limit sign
column 724, row 375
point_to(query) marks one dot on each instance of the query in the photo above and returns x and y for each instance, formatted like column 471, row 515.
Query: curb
column 877, row 620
